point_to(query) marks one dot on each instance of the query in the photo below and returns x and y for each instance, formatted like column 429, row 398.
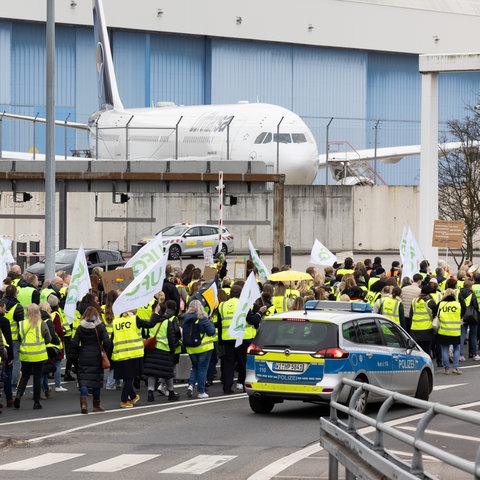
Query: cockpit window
column 266, row 137
column 299, row 138
column 260, row 138
column 282, row 138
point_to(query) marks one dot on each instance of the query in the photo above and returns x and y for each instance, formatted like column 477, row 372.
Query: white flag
column 79, row 284
column 321, row 255
column 7, row 245
column 412, row 253
column 3, row 258
column 261, row 268
column 250, row 292
column 147, row 255
column 141, row 291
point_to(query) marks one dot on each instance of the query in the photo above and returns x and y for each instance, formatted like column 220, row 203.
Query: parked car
column 185, row 239
column 303, row 355
column 65, row 259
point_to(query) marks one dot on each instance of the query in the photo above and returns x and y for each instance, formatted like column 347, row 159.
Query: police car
column 303, row 355
column 185, row 239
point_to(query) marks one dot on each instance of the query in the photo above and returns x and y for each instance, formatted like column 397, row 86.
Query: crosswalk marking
column 116, row 464
column 199, row 464
column 40, row 461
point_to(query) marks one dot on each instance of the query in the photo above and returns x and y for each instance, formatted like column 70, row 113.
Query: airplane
column 256, row 132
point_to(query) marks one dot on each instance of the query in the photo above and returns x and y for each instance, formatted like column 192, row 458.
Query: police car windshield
column 301, row 336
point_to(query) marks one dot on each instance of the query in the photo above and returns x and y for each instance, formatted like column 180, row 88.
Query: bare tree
column 459, row 181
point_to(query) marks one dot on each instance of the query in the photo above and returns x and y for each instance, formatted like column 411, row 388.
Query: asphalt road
column 216, row 438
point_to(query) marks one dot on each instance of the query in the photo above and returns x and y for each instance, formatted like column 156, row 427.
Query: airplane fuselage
column 236, row 132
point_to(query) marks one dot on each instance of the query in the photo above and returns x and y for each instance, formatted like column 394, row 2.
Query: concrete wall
column 342, row 218
column 406, row 26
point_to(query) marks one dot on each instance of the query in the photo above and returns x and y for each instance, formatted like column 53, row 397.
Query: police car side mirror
column 411, row 345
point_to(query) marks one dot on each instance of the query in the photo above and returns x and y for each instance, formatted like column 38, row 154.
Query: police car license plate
column 288, row 367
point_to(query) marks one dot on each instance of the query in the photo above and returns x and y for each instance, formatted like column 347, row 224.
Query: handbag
column 105, row 361
column 471, row 315
column 149, row 343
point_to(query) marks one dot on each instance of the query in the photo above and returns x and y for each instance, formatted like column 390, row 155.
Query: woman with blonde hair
column 33, row 335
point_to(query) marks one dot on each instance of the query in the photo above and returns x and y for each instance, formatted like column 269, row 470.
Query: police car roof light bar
column 332, row 305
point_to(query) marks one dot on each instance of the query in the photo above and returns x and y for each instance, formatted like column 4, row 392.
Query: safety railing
column 364, row 458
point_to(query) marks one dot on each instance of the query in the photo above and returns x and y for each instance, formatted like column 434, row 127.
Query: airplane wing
column 354, row 167
column 60, row 123
column 387, row 154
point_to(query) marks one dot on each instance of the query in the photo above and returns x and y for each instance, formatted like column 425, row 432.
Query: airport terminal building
column 348, row 68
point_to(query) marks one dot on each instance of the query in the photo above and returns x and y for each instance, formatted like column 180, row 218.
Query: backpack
column 191, row 333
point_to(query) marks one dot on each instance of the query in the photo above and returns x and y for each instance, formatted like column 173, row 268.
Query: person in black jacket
column 470, row 322
column 15, row 315
column 90, row 334
column 159, row 362
column 7, row 366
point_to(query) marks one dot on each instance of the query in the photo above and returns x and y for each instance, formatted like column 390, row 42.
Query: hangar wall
column 342, row 218
column 367, row 94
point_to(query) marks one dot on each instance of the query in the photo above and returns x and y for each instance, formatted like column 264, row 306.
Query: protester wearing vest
column 450, row 315
column 14, row 314
column 28, row 289
column 127, row 356
column 470, row 322
column 7, row 365
column 58, row 322
column 236, row 357
column 108, row 316
column 3, row 359
column 159, row 362
column 435, row 292
column 15, row 273
column 390, row 305
column 55, row 346
column 33, row 335
column 422, row 311
column 53, row 289
column 90, row 334
column 199, row 356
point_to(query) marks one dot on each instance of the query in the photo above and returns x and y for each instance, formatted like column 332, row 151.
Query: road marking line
column 200, row 464
column 132, row 415
column 283, row 463
column 40, row 461
column 444, row 434
column 444, row 387
column 116, row 464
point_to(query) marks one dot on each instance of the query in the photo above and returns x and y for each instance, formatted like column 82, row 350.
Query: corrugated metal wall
column 352, row 90
column 177, row 69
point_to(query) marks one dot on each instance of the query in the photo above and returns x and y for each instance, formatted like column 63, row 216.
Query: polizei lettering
column 211, row 123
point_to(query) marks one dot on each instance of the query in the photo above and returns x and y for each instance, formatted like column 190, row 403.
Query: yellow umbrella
column 289, row 276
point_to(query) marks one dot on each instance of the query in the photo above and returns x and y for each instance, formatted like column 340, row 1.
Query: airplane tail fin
column 107, row 83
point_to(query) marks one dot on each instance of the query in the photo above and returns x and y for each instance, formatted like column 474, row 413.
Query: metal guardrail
column 365, row 459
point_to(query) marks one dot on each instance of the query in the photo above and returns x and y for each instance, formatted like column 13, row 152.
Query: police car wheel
column 423, row 388
column 261, row 405
column 361, row 403
column 174, row 252
column 224, row 249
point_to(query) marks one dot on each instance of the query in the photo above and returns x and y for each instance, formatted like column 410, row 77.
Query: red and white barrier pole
column 220, row 209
